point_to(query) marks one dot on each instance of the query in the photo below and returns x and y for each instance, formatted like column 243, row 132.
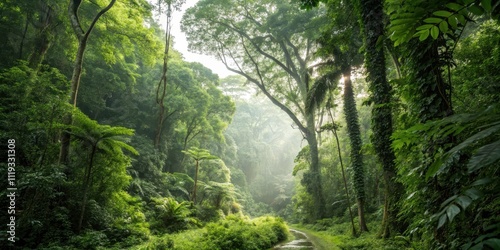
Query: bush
column 232, row 233
column 237, row 233
column 89, row 240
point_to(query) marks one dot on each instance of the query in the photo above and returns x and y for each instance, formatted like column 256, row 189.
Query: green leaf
column 463, row 201
column 452, row 20
column 486, row 5
column 494, row 243
column 461, row 19
column 398, row 27
column 452, row 211
column 447, row 201
column 481, row 182
column 442, row 13
column 425, row 27
column 473, row 193
column 484, row 156
column 423, row 35
column 443, row 26
column 454, row 6
column 403, row 21
column 435, row 32
column 476, row 10
column 433, row 20
column 434, row 168
column 442, row 220
column 469, row 141
column 479, row 246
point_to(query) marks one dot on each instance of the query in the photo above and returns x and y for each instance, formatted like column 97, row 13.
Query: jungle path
column 301, row 241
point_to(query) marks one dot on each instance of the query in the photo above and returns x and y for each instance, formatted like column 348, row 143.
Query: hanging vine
column 161, row 90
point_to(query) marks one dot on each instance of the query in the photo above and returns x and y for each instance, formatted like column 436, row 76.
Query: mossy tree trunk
column 353, row 130
column 372, row 22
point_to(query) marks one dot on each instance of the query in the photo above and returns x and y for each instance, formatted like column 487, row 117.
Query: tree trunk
column 75, row 82
column 315, row 183
column 195, row 181
column 352, row 120
column 433, row 99
column 86, row 186
column 344, row 178
column 371, row 15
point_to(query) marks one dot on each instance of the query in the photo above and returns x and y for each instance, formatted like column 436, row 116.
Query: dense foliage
column 231, row 233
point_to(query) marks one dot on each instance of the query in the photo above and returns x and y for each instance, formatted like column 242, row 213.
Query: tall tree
column 44, row 25
column 351, row 116
column 98, row 139
column 340, row 50
column 270, row 44
column 371, row 16
column 428, row 40
column 82, row 37
column 198, row 155
column 170, row 5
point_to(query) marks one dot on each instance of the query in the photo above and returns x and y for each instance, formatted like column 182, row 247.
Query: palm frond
column 320, row 89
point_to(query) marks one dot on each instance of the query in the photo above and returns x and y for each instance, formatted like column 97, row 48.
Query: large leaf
column 446, row 202
column 442, row 13
column 442, row 220
column 481, row 182
column 452, row 211
column 463, row 201
column 494, row 243
column 484, row 156
column 486, row 4
column 480, row 135
column 473, row 193
column 435, row 32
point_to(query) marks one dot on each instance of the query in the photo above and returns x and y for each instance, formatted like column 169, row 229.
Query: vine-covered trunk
column 372, row 15
column 434, row 102
column 351, row 116
column 162, row 85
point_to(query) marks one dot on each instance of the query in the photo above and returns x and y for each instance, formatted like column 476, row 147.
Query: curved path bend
column 301, row 242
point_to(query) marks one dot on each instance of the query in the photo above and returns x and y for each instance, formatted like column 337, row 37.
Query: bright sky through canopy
column 181, row 44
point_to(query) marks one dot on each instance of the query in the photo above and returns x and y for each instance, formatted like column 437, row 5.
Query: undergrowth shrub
column 89, row 240
column 232, row 233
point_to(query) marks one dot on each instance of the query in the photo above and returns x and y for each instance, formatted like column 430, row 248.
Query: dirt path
column 300, row 242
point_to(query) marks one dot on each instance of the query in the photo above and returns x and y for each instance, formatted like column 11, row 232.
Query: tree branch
column 295, row 74
column 96, row 18
column 264, row 90
column 73, row 17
